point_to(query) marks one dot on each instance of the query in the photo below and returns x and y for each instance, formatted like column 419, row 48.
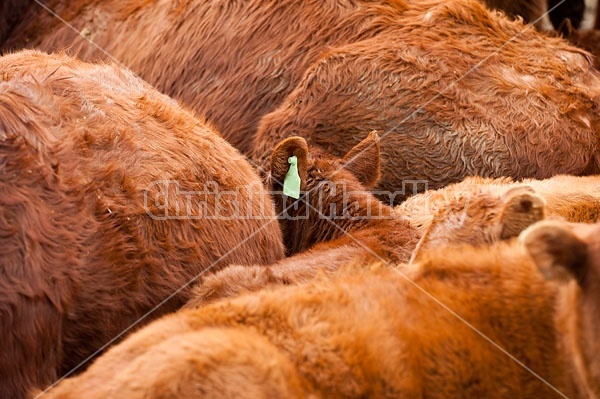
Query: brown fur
column 529, row 11
column 462, row 90
column 576, row 199
column 587, row 39
column 444, row 141
column 12, row 13
column 373, row 334
column 477, row 217
column 81, row 256
column 335, row 220
column 205, row 53
column 476, row 220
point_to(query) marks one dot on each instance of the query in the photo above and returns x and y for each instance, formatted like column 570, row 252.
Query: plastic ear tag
column 291, row 183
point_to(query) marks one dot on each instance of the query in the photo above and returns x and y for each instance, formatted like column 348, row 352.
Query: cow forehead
column 587, row 232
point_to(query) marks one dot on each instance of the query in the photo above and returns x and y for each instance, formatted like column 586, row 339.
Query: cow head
column 333, row 192
column 482, row 217
column 571, row 253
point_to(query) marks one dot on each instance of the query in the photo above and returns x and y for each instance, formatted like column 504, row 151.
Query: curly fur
column 462, row 90
column 445, row 119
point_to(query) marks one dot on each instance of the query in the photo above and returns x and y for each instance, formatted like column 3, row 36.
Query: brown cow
column 574, row 198
column 102, row 185
column 421, row 102
column 356, row 227
column 460, row 89
column 471, row 322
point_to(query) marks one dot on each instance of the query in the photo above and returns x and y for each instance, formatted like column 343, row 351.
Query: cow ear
column 556, row 250
column 566, row 28
column 521, row 208
column 292, row 146
column 364, row 160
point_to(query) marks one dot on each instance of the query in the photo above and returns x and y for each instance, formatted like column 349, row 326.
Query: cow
column 112, row 198
column 338, row 221
column 453, row 88
column 572, row 198
column 515, row 319
column 426, row 135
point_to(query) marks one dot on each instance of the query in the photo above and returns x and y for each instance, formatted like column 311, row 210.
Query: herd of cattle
column 147, row 249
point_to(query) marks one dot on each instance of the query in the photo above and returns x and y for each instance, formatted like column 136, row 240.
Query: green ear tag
column 291, row 183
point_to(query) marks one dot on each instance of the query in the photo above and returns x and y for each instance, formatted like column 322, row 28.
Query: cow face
column 482, row 217
column 333, row 192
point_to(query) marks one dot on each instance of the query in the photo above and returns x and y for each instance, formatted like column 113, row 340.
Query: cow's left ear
column 521, row 208
column 364, row 160
column 556, row 250
column 292, row 146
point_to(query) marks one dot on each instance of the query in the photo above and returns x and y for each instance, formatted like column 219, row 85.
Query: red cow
column 111, row 200
column 573, row 198
column 419, row 102
column 530, row 11
column 472, row 322
column 453, row 88
column 337, row 221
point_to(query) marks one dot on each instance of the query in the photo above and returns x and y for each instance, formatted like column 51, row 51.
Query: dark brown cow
column 102, row 185
column 460, row 89
column 336, row 222
column 335, row 210
column 376, row 335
